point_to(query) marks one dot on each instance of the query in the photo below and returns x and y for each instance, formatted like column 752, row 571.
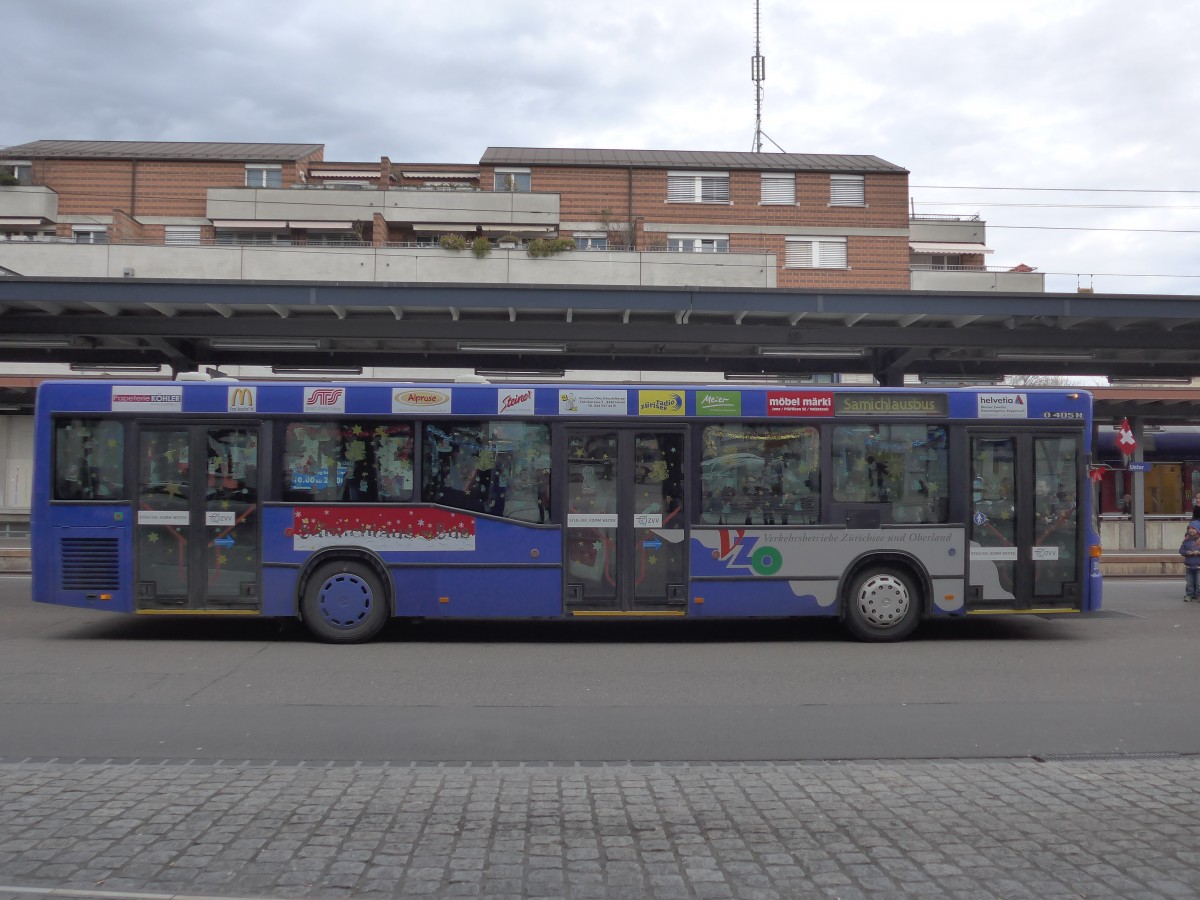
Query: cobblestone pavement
column 1126, row 827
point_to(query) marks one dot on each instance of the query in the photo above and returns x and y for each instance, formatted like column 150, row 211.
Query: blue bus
column 345, row 505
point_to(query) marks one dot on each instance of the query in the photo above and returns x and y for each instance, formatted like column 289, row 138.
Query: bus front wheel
column 882, row 605
column 344, row 603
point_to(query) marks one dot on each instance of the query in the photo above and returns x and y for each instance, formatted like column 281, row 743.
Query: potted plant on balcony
column 481, row 247
column 507, row 241
column 453, row 242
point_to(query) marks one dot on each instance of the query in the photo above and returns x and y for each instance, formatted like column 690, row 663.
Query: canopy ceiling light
column 317, row 370
column 511, row 347
column 1045, row 355
column 34, row 342
column 116, row 367
column 811, row 352
column 265, row 343
column 520, row 373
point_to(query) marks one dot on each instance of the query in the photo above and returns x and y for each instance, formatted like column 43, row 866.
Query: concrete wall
column 434, row 207
column 1000, row 282
column 389, row 264
column 28, row 200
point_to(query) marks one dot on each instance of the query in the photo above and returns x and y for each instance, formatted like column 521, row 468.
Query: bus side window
column 89, row 459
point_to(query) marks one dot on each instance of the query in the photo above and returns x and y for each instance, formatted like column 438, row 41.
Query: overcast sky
column 1090, row 106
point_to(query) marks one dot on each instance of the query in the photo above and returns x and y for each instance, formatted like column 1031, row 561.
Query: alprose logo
column 799, row 403
column 324, row 399
column 718, row 403
column 418, row 400
column 515, row 403
column 1002, row 406
column 242, row 399
column 141, row 399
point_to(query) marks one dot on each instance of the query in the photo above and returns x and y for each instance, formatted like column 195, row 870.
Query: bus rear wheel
column 344, row 603
column 882, row 605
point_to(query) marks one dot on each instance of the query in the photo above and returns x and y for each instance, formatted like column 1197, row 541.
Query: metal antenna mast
column 758, row 74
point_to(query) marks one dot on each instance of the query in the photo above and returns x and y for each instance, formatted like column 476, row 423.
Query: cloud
column 1023, row 93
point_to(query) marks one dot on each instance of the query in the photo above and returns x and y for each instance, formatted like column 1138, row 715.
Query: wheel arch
column 335, row 554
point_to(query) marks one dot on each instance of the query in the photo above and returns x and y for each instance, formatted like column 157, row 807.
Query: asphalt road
column 80, row 684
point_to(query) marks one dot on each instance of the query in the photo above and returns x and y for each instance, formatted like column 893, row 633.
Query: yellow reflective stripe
column 197, row 612
column 628, row 614
column 1016, row 612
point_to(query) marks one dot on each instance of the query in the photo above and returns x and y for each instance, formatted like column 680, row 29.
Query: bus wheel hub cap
column 345, row 600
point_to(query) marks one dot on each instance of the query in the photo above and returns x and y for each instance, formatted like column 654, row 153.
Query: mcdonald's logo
column 243, row 399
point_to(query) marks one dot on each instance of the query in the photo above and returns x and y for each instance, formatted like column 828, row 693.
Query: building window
column 691, row 243
column 778, row 188
column 697, row 187
column 513, row 180
column 847, row 190
column 252, row 239
column 182, row 235
column 12, row 173
column 264, row 176
column 954, row 261
column 332, row 238
column 90, row 234
column 816, row 253
column 590, row 241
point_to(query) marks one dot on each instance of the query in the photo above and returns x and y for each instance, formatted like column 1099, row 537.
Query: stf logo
column 325, row 399
column 242, row 399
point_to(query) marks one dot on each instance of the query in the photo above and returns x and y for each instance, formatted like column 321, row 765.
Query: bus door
column 197, row 527
column 1024, row 531
column 626, row 530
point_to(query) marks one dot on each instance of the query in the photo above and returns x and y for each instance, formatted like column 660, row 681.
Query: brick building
column 771, row 220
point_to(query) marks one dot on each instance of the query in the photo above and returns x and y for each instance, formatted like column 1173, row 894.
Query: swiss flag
column 1125, row 442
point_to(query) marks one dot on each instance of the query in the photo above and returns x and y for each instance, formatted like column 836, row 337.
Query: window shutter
column 799, row 255
column 847, row 190
column 714, row 189
column 687, row 187
column 833, row 254
column 681, row 189
column 177, row 235
column 815, row 253
column 778, row 188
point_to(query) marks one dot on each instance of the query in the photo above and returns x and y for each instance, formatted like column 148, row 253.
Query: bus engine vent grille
column 90, row 564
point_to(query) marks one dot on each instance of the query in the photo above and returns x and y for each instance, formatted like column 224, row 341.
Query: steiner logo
column 515, row 403
column 1003, row 406
column 242, row 399
column 324, row 399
